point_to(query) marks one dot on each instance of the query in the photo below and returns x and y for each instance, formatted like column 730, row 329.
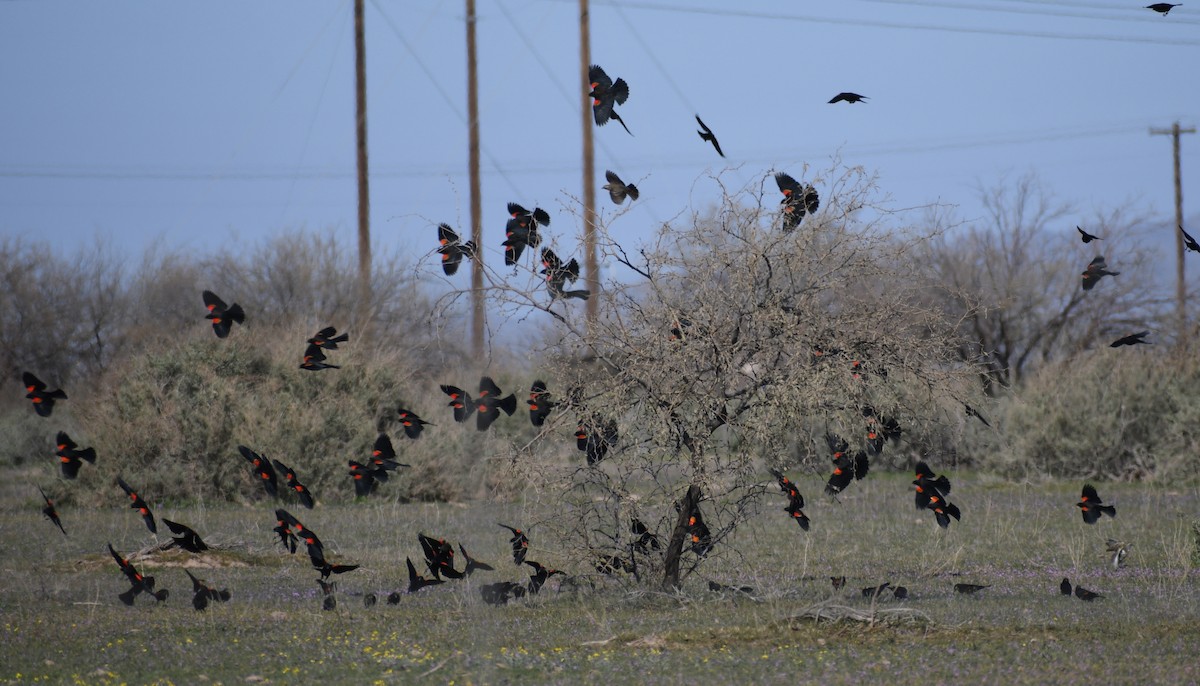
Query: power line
column 946, row 4
column 873, row 23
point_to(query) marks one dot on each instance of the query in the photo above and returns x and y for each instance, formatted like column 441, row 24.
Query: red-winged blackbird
column 202, row 593
column 797, row 200
column 706, row 134
column 943, row 510
column 594, row 437
column 185, row 537
column 283, row 527
column 383, row 458
column 137, row 582
column 439, row 557
column 1086, row 595
column 1162, row 8
column 522, row 230
column 138, row 504
column 452, row 249
column 846, row 467
column 223, row 316
column 317, row 557
column 300, row 531
column 263, row 471
column 968, row 589
column 540, row 404
column 558, row 274
column 415, row 581
column 472, row 563
column 900, row 593
column 618, row 189
column 328, row 338
column 314, row 359
column 605, row 95
column 678, row 327
column 928, row 485
column 43, row 400
column 519, row 541
column 1087, row 237
column 1096, row 270
column 1065, row 587
column 1189, row 242
column 293, row 483
column 795, row 500
column 646, row 541
column 461, row 401
column 539, row 577
column 70, row 455
column 1092, row 507
column 365, row 478
column 848, row 97
column 1131, row 339
column 972, row 412
column 500, row 592
column 489, row 403
column 698, row 533
column 886, row 427
column 50, row 512
column 876, row 591
column 413, row 425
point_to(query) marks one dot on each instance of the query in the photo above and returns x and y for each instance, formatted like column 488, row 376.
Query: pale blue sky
column 198, row 124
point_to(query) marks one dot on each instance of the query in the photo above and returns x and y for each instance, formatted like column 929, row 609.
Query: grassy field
column 62, row 622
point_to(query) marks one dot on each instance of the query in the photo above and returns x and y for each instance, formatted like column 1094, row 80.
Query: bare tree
column 1012, row 283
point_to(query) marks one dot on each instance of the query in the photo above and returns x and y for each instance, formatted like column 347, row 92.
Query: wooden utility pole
column 1180, row 287
column 364, row 196
column 591, row 267
column 477, row 309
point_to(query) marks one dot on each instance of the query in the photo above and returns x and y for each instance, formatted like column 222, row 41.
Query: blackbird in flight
column 848, row 97
column 606, row 94
column 707, row 134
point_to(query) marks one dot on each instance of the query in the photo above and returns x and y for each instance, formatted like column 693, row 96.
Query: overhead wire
column 946, row 4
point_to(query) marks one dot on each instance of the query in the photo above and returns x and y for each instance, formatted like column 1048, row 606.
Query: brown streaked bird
column 1132, row 339
column 606, row 94
column 1087, row 237
column 848, row 97
column 138, row 504
column 1163, row 7
column 452, row 249
column 968, row 589
column 1092, row 507
column 70, row 456
column 293, row 483
column 43, row 400
column 413, row 424
column 1119, row 550
column 706, row 134
column 618, row 190
column 50, row 512
column 263, row 471
column 1096, row 270
column 223, row 316
column 1086, row 595
column 185, row 537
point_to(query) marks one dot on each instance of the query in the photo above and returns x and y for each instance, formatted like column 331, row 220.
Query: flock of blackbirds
column 595, row 435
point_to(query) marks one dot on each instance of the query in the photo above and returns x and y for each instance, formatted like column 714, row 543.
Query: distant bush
column 1111, row 414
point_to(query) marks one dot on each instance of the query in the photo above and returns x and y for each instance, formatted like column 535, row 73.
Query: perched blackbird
column 968, row 589
column 1132, row 339
column 328, row 338
column 223, row 316
column 138, row 504
column 838, row 582
column 900, row 593
column 875, row 591
column 540, row 403
column 293, row 483
column 1092, row 507
column 1087, row 237
column 70, row 456
column 797, row 200
column 499, row 593
column 594, row 437
column 1065, row 587
column 263, row 471
column 848, row 97
column 1096, row 270
column 488, row 403
column 1084, row 594
column 646, row 541
column 699, row 534
column 50, row 512
column 618, row 189
column 452, row 249
column 43, row 400
column 707, row 135
column 606, row 94
column 520, row 543
column 185, row 537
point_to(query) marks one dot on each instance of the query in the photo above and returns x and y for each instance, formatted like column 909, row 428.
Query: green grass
column 62, row 622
